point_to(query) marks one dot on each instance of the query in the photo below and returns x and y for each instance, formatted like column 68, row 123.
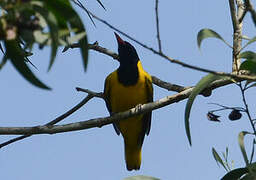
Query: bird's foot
column 138, row 107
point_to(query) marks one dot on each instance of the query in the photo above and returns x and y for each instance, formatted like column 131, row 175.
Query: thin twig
column 78, row 3
column 163, row 84
column 226, row 107
column 167, row 85
column 250, row 8
column 176, row 61
column 95, row 46
column 58, row 119
column 157, row 27
column 247, row 108
column 94, row 94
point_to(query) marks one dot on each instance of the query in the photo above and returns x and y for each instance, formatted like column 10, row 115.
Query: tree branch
column 250, row 8
column 157, row 28
column 58, row 119
column 184, row 92
column 95, row 46
column 99, row 122
column 246, row 107
column 176, row 61
column 233, row 14
column 237, row 28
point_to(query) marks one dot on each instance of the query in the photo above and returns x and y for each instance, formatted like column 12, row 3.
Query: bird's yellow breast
column 126, row 97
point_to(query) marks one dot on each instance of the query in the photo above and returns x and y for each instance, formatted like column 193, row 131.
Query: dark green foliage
column 43, row 22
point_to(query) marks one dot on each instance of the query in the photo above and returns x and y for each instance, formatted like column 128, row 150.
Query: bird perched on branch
column 125, row 88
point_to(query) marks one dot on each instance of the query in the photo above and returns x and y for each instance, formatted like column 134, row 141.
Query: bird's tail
column 132, row 156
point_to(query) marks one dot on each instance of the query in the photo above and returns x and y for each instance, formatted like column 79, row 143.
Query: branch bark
column 157, row 27
column 236, row 14
column 176, row 61
column 99, row 122
column 55, row 121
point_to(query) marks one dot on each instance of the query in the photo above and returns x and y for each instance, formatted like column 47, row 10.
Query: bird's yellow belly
column 124, row 98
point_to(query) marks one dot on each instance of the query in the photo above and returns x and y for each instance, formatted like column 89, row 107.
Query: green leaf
column 208, row 33
column 235, row 174
column 77, row 37
column 248, row 176
column 16, row 56
column 252, row 167
column 241, row 145
column 252, row 153
column 201, row 85
column 249, row 55
column 83, row 43
column 61, row 9
column 53, row 28
column 140, row 177
column 40, row 37
column 218, row 159
column 64, row 9
column 249, row 65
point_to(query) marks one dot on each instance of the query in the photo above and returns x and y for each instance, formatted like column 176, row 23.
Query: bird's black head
column 127, row 53
column 128, row 73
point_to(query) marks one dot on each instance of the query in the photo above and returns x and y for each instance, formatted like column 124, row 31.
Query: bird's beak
column 119, row 40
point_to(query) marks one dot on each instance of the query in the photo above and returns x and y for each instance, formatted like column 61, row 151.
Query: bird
column 127, row 87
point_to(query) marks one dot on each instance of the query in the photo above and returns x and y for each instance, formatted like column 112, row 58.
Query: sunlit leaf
column 218, row 159
column 140, row 177
column 53, row 28
column 235, row 174
column 16, row 56
column 201, row 85
column 241, row 145
column 41, row 37
column 76, row 38
column 226, row 152
column 208, row 33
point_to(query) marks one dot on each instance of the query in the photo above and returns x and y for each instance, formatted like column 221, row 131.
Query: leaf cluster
column 24, row 23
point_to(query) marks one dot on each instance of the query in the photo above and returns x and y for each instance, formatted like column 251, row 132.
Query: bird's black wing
column 107, row 97
column 147, row 116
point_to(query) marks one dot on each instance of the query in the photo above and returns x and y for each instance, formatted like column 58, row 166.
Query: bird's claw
column 138, row 107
